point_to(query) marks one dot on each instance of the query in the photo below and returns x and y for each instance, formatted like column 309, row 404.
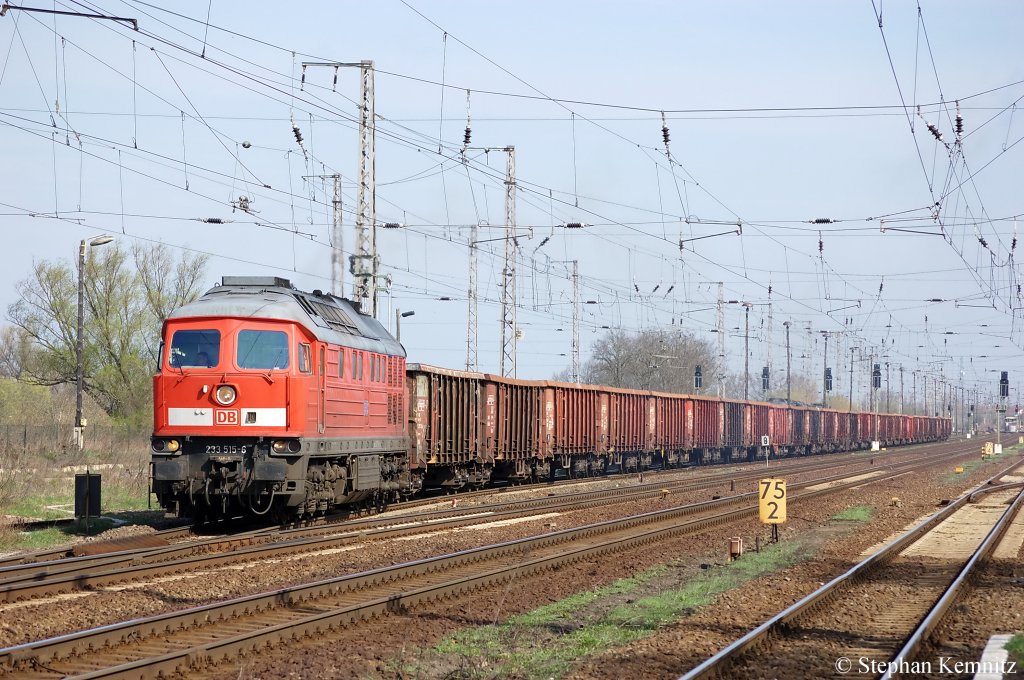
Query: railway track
column 163, row 537
column 25, row 581
column 69, row 551
column 877, row 617
column 177, row 641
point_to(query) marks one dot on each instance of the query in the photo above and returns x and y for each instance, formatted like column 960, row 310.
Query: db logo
column 225, row 416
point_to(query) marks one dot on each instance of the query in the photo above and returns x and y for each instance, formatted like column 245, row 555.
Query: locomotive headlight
column 166, row 445
column 287, row 446
column 225, row 395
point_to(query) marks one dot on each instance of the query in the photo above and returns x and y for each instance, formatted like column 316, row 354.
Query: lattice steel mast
column 365, row 262
column 472, row 335
column 508, row 291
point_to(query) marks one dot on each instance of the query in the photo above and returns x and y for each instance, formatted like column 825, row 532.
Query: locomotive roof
column 330, row 318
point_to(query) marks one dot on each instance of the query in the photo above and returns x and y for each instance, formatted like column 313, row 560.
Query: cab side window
column 305, row 358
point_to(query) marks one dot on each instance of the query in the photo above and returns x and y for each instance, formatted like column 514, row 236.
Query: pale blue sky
column 849, row 155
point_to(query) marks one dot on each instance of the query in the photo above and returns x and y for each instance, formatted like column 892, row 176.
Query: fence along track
column 176, row 641
column 878, row 634
column 37, row 580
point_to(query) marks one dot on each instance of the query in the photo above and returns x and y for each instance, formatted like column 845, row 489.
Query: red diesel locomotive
column 271, row 400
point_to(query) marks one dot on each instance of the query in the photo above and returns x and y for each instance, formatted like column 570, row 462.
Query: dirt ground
column 383, row 648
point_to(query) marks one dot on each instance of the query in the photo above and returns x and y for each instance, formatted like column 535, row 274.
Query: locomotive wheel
column 284, row 515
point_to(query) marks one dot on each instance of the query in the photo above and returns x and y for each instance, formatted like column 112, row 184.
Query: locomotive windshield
column 265, row 350
column 195, row 349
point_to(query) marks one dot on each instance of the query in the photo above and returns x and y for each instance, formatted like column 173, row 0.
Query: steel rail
column 637, row 530
column 939, row 610
column 718, row 663
column 68, row 552
column 51, row 556
column 67, row 576
column 40, row 571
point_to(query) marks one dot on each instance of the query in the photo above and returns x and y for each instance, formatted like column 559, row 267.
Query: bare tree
column 15, row 352
column 662, row 360
column 124, row 305
column 165, row 282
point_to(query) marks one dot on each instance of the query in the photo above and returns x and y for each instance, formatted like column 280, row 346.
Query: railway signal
column 1004, row 392
column 698, row 378
column 876, row 377
column 764, row 379
column 828, row 379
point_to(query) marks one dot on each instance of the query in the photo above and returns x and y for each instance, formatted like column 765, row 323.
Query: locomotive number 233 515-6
column 225, row 449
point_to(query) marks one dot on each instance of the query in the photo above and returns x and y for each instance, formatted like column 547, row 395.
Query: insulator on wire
column 334, row 85
column 983, row 242
column 213, row 220
column 935, row 131
column 297, row 133
column 673, row 287
column 469, row 126
column 822, row 220
column 302, row 81
column 821, row 245
column 959, row 121
column 636, row 287
column 1013, row 244
column 664, row 131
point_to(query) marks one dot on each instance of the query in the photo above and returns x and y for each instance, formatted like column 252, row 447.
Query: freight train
column 271, row 401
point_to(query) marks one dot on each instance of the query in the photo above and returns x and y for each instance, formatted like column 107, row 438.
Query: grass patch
column 856, row 513
column 1016, row 649
column 60, row 504
column 547, row 641
column 976, row 463
column 13, row 538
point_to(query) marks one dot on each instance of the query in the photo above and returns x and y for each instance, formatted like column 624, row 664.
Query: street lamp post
column 399, row 315
column 83, row 250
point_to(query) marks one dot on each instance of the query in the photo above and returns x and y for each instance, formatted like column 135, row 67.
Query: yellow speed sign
column 772, row 500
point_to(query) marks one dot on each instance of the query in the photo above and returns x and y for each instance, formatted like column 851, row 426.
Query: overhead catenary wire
column 574, row 191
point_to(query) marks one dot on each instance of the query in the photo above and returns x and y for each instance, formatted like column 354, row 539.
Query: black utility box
column 87, row 495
